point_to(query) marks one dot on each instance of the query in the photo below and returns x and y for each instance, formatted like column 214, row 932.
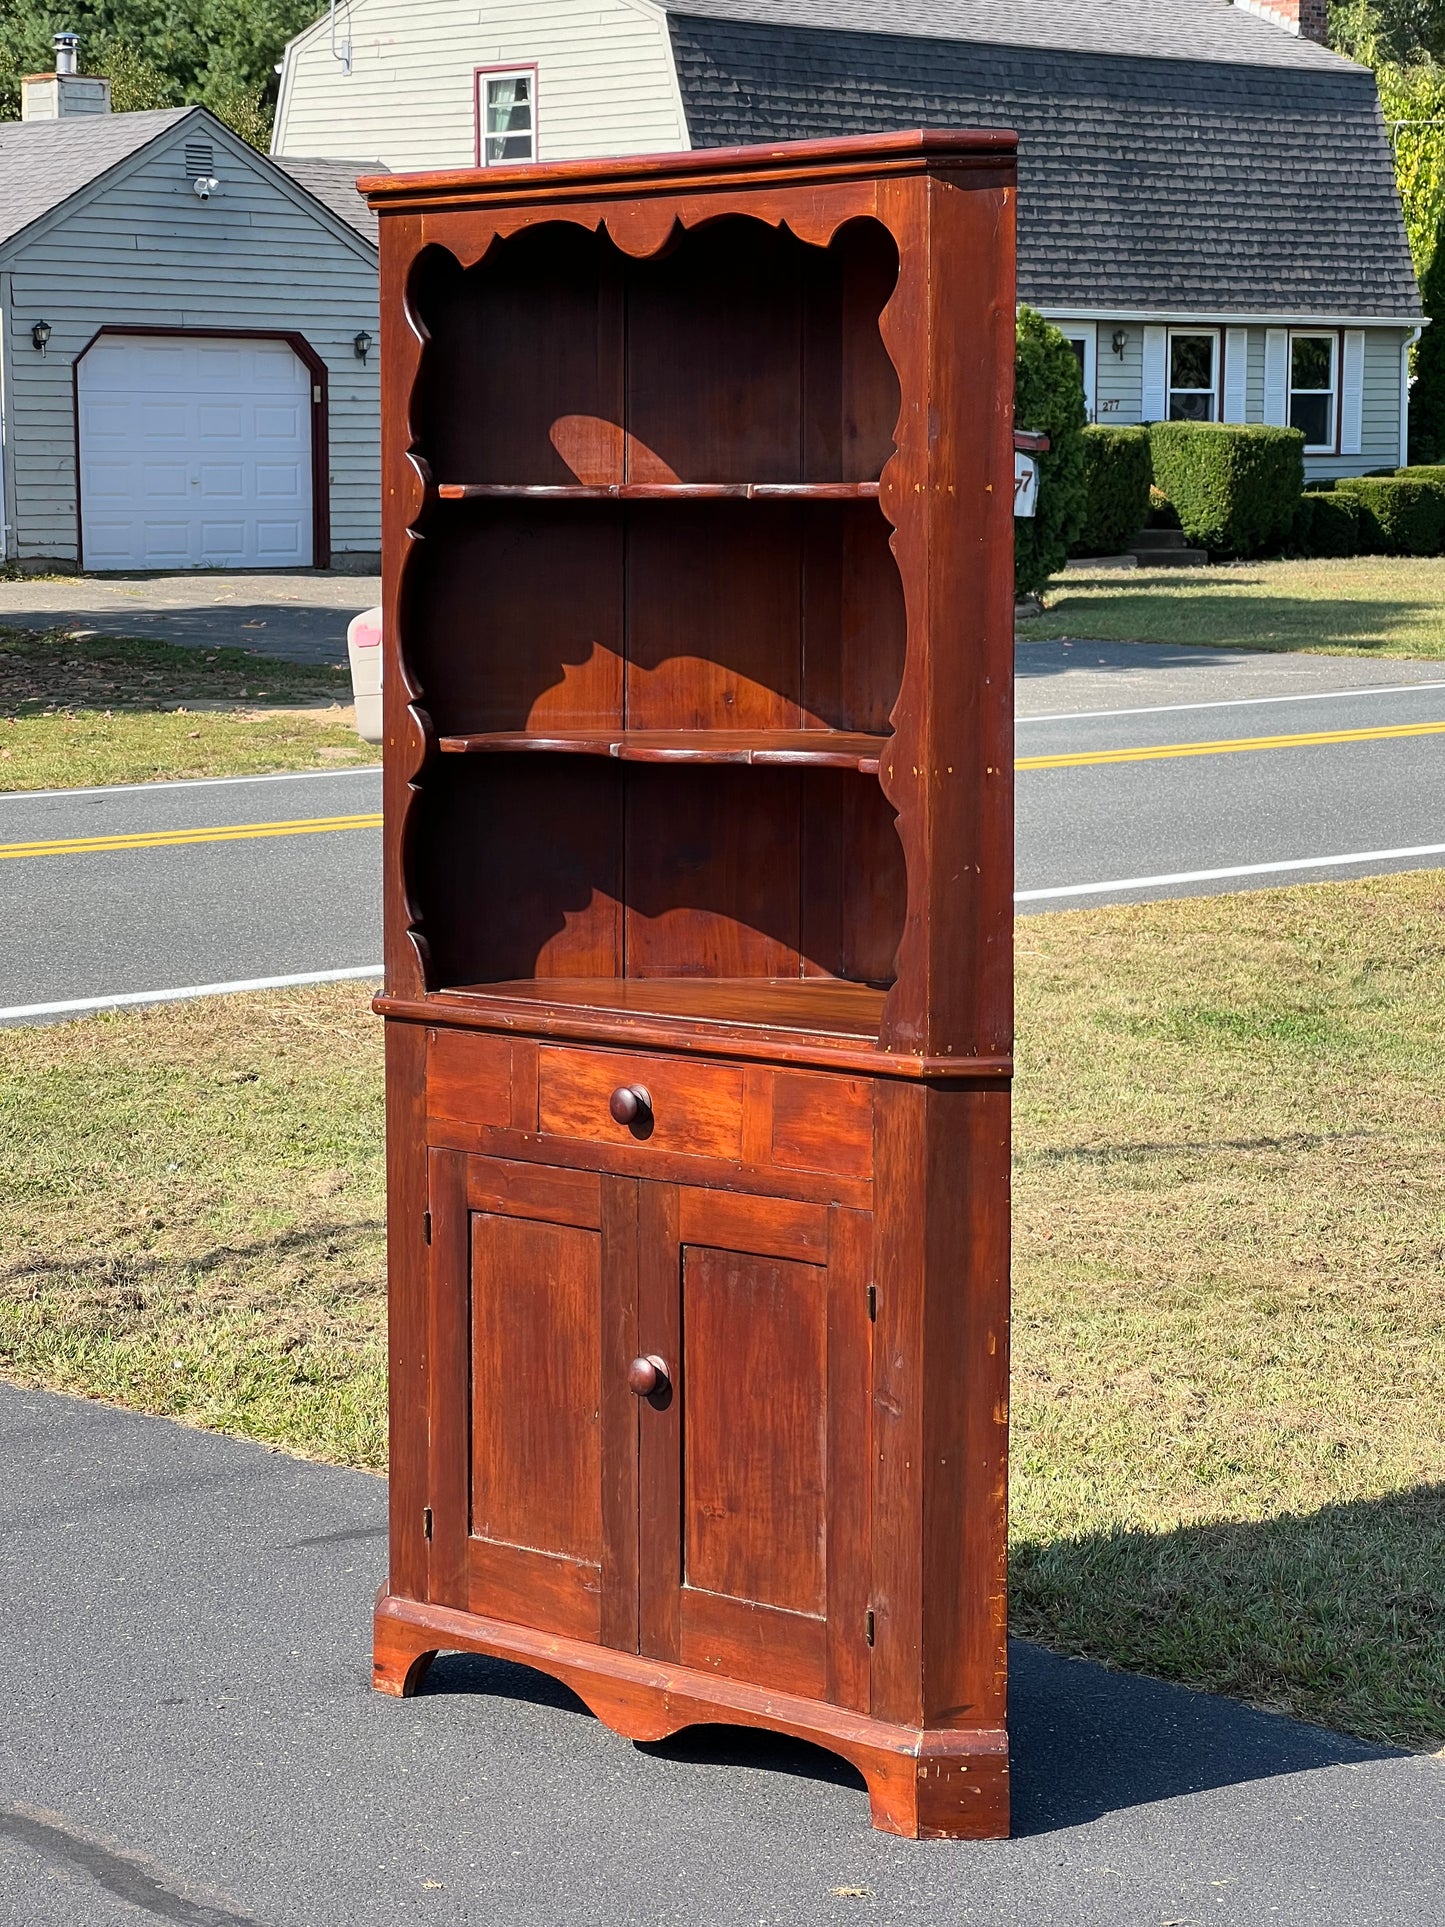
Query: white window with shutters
column 1314, row 370
column 506, row 115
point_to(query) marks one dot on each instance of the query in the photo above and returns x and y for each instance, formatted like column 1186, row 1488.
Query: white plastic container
column 363, row 645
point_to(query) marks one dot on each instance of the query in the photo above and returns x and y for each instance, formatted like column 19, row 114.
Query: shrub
column 1049, row 399
column 1235, row 488
column 1398, row 514
column 1326, row 524
column 1117, row 475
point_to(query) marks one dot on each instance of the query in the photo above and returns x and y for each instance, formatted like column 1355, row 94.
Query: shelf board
column 815, row 1006
column 786, row 748
column 660, row 492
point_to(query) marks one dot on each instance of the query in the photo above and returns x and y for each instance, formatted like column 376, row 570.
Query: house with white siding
column 1207, row 202
column 186, row 376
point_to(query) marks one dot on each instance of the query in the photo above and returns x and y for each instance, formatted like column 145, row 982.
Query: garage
column 187, row 368
column 195, row 452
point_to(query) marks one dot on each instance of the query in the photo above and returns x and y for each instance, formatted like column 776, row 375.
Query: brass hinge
column 426, row 1523
column 873, row 1302
column 426, row 1225
column 868, row 1626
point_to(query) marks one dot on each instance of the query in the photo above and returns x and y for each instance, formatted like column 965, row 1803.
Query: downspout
column 8, row 543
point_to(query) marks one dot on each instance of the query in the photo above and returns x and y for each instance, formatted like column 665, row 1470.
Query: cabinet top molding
column 774, row 163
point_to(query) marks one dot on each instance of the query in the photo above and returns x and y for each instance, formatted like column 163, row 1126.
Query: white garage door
column 194, row 453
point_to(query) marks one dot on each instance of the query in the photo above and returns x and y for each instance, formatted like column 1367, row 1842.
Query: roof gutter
column 1218, row 317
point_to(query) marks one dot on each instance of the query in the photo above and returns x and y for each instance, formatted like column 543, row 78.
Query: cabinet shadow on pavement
column 1086, row 1741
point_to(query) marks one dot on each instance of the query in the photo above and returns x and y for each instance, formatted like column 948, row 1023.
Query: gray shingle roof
column 1254, row 180
column 334, row 184
column 44, row 162
column 1129, row 29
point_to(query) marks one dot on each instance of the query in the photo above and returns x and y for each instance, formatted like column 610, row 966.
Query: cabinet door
column 533, row 1430
column 753, row 1465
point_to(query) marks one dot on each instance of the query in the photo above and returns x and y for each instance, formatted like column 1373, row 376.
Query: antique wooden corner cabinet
column 699, row 621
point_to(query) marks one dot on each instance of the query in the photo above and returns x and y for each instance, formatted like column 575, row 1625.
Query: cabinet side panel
column 899, row 1271
column 406, row 1263
column 965, row 1432
column 966, row 736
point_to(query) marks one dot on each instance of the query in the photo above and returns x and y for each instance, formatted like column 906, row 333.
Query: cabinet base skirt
column 946, row 1783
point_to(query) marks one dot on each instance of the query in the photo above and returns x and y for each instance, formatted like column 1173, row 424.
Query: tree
column 1404, row 42
column 220, row 53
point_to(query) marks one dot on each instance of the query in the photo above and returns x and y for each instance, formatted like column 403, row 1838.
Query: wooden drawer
column 696, row 1109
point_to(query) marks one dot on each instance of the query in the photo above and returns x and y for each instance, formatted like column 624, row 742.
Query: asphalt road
column 190, row 1736
column 1312, row 764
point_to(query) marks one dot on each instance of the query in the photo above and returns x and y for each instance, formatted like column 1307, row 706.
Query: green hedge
column 1399, row 515
column 1049, row 400
column 1235, row 488
column 1117, row 475
column 1326, row 524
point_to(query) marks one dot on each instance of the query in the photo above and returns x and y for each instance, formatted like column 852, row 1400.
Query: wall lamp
column 1120, row 342
column 361, row 342
column 40, row 335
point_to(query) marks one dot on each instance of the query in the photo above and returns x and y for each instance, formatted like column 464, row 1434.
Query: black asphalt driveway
column 189, row 1736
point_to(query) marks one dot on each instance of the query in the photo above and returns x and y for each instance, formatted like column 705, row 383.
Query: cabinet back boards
column 699, row 857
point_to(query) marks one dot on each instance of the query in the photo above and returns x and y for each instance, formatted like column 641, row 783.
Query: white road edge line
column 193, row 783
column 1232, row 702
column 76, row 1005
column 1220, row 876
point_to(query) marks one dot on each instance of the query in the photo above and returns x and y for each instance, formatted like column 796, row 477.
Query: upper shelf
column 798, row 748
column 660, row 492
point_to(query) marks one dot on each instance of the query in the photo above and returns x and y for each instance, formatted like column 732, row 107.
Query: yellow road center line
column 1231, row 746
column 170, row 839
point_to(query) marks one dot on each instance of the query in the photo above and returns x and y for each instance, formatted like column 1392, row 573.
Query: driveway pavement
column 189, row 1736
column 300, row 617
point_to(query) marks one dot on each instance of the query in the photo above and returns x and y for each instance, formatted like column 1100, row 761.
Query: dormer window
column 506, row 115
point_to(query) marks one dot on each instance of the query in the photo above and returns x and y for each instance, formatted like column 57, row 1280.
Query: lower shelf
column 817, row 1005
column 945, row 1783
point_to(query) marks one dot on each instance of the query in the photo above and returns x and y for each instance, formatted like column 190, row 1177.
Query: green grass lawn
column 1229, row 1361
column 79, row 712
column 1367, row 606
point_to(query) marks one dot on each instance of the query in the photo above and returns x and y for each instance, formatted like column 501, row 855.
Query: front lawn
column 1367, row 606
column 1229, row 1367
column 74, row 713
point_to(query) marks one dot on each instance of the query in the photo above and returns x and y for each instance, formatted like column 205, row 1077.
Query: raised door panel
column 533, row 1442
column 753, row 1467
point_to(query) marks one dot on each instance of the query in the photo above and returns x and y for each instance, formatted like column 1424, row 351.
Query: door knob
column 630, row 1104
column 648, row 1376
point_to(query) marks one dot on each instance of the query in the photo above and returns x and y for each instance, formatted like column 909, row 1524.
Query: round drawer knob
column 630, row 1104
column 646, row 1376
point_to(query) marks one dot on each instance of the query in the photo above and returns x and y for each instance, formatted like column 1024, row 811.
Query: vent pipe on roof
column 67, row 54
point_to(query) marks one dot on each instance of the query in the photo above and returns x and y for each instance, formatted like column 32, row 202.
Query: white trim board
column 1222, row 317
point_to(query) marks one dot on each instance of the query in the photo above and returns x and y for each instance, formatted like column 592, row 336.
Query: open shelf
column 659, row 492
column 818, row 1006
column 782, row 748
